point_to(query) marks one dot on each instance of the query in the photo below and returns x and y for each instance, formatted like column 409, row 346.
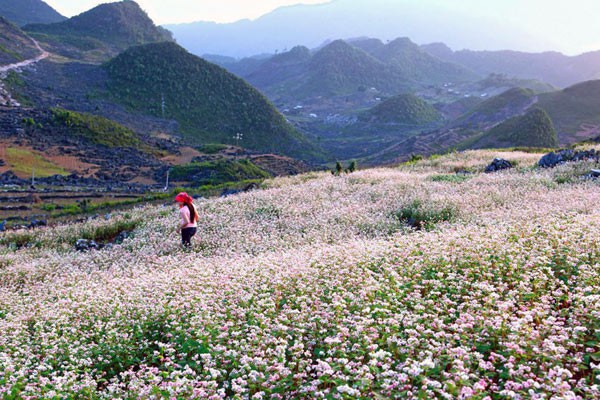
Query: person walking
column 189, row 218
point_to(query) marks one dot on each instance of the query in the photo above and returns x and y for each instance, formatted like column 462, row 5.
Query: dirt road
column 5, row 97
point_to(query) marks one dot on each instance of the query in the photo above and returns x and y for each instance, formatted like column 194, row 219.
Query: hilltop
column 209, row 104
column 402, row 109
column 534, row 129
column 101, row 32
column 416, row 64
column 342, row 68
column 498, row 108
column 23, row 12
column 574, row 111
column 337, row 69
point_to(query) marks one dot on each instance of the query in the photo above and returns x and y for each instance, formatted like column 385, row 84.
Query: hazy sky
column 569, row 26
column 177, row 11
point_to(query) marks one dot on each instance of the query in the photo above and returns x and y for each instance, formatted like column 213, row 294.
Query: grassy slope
column 23, row 161
column 96, row 129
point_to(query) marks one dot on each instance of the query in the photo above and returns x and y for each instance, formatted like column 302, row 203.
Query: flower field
column 391, row 283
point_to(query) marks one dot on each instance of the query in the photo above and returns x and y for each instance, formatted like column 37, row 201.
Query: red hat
column 182, row 198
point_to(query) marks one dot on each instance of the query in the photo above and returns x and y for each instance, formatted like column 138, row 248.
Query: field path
column 5, row 97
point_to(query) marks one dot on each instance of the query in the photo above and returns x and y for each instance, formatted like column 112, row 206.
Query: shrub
column 420, row 216
column 451, row 178
column 212, row 148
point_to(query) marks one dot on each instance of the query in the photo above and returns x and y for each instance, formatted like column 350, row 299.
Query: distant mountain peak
column 23, row 12
column 118, row 25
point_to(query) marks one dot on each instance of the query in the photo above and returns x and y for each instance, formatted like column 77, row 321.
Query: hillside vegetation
column 573, row 108
column 403, row 109
column 106, row 29
column 534, row 129
column 317, row 287
column 210, row 104
column 23, row 12
column 416, row 64
column 96, row 129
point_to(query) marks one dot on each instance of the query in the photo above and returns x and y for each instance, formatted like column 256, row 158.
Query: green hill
column 340, row 68
column 403, row 109
column 15, row 46
column 575, row 111
column 106, row 29
column 502, row 80
column 415, row 63
column 210, row 104
column 498, row 108
column 534, row 129
column 280, row 67
column 23, row 12
column 337, row 69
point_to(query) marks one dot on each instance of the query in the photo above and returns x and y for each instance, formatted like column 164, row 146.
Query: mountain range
column 424, row 21
column 342, row 68
column 552, row 67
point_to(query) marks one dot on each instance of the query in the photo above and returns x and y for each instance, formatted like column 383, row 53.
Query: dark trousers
column 186, row 236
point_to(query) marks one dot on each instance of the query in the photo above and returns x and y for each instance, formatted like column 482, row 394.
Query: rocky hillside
column 101, row 32
column 15, row 45
column 23, row 12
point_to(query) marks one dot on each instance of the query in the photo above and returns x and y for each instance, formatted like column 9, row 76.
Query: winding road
column 5, row 97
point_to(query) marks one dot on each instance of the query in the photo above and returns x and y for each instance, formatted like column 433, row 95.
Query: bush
column 451, row 178
column 212, row 148
column 419, row 216
column 107, row 233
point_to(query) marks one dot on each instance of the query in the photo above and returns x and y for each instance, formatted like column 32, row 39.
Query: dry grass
column 23, row 161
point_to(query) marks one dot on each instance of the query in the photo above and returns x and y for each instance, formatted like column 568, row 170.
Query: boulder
column 498, row 164
column 37, row 223
column 86, row 245
column 553, row 159
column 121, row 237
